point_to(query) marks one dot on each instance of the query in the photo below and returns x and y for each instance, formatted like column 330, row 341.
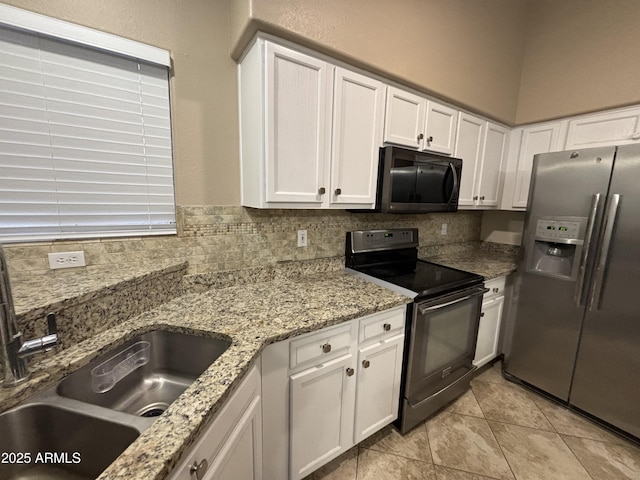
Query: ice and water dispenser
column 555, row 247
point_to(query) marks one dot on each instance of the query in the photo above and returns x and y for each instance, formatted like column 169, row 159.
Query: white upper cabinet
column 304, row 143
column 469, row 148
column 404, row 119
column 358, row 111
column 416, row 122
column 482, row 147
column 610, row 128
column 536, row 139
column 298, row 124
column 493, row 155
column 440, row 128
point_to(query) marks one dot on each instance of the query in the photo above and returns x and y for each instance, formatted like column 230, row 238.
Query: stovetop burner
column 392, row 256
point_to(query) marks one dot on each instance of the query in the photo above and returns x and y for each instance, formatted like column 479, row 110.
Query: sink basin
column 174, row 361
column 83, row 445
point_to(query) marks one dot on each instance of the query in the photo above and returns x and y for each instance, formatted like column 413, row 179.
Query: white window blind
column 85, row 142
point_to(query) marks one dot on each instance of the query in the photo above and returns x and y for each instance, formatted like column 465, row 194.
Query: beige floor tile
column 492, row 375
column 466, row 443
column 510, row 404
column 374, row 465
column 536, row 454
column 466, row 404
column 567, row 422
column 606, row 461
column 444, row 473
column 342, row 468
column 413, row 444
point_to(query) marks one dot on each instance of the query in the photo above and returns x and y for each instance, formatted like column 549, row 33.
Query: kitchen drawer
column 495, row 286
column 319, row 347
column 377, row 326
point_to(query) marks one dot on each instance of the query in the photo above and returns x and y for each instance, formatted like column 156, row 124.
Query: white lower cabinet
column 231, row 446
column 490, row 321
column 321, row 414
column 325, row 391
column 378, row 386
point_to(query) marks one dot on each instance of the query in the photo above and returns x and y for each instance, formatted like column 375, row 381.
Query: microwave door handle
column 455, row 183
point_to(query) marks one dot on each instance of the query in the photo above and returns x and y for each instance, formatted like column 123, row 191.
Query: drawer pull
column 350, row 372
column 326, row 348
column 366, row 363
column 387, row 327
column 198, row 470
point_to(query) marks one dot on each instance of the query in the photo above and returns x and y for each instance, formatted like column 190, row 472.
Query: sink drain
column 154, row 410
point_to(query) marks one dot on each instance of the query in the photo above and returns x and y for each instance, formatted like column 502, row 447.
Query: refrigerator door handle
column 579, row 293
column 610, row 221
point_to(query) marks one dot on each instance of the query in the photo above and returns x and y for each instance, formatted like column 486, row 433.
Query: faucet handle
column 52, row 325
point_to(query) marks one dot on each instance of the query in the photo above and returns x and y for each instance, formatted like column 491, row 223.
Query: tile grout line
column 491, row 429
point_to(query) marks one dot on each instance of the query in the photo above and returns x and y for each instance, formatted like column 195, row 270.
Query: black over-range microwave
column 414, row 182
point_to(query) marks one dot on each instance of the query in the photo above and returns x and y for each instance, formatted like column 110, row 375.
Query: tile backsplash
column 223, row 238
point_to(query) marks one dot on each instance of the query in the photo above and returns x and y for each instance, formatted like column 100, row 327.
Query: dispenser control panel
column 557, row 229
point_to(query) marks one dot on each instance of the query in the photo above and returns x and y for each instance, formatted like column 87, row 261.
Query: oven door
column 442, row 342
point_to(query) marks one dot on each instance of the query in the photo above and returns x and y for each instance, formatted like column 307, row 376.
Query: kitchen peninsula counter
column 252, row 314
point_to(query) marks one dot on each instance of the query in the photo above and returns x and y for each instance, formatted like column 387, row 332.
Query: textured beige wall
column 468, row 52
column 204, row 92
column 581, row 56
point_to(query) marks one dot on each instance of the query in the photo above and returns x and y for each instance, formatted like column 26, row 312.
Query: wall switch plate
column 66, row 260
column 443, row 229
column 302, row 238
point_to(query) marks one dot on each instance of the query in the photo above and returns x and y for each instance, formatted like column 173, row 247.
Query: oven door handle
column 424, row 310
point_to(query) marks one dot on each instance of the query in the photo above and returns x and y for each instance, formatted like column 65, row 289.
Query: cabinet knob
column 496, row 290
column 350, row 372
column 386, row 327
column 475, row 198
column 321, row 191
column 482, row 197
column 430, row 139
column 482, row 315
column 338, row 191
column 326, row 348
column 366, row 363
column 199, row 469
column 420, row 136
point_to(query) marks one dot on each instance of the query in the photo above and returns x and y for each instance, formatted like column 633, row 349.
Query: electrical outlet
column 66, row 260
column 302, row 238
column 443, row 229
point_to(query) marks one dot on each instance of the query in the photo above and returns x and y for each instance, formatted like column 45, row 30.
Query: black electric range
column 442, row 321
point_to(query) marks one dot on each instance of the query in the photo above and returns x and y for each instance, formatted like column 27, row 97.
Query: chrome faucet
column 14, row 350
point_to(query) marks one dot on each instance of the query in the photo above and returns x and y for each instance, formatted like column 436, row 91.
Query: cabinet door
column 298, row 125
column 358, row 116
column 489, row 331
column 231, row 446
column 321, row 414
column 538, row 139
column 605, row 129
column 469, row 146
column 241, row 456
column 404, row 118
column 440, row 128
column 378, row 386
column 495, row 142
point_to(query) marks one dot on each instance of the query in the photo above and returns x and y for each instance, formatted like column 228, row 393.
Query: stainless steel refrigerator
column 576, row 304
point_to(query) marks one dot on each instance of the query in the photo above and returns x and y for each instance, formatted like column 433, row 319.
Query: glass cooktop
column 423, row 277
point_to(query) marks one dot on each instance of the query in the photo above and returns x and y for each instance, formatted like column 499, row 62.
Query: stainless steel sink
column 174, row 359
column 46, row 442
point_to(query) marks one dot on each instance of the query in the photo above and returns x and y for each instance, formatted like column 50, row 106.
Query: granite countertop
column 253, row 315
column 487, row 259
